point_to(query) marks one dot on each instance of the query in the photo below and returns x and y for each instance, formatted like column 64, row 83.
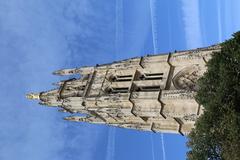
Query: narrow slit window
column 152, row 76
column 120, row 78
column 125, row 76
column 119, row 90
column 149, row 88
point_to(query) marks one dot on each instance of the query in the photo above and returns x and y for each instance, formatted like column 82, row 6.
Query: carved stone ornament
column 187, row 78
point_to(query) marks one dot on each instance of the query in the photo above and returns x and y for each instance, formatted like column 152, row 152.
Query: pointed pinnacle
column 33, row 96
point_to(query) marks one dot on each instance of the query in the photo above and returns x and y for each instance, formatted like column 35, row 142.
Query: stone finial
column 33, row 96
column 75, row 118
column 72, row 71
column 49, row 104
column 65, row 72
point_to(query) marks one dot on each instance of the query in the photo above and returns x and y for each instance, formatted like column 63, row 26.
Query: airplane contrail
column 163, row 147
column 155, row 46
column 111, row 144
column 118, row 25
column 219, row 21
column 152, row 145
column 154, row 25
column 191, row 19
column 169, row 28
column 118, row 31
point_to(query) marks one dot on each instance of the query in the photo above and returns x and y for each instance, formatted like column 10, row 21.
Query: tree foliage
column 217, row 132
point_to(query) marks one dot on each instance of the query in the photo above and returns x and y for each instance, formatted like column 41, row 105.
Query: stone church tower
column 151, row 93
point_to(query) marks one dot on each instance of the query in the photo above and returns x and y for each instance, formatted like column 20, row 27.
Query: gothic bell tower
column 151, row 93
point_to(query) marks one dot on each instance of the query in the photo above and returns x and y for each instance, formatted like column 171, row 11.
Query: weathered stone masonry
column 151, row 93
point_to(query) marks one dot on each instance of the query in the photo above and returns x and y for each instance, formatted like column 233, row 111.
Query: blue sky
column 40, row 36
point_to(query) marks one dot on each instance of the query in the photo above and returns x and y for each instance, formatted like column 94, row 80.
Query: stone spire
column 151, row 93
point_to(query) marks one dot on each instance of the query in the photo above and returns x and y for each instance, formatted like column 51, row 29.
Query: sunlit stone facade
column 150, row 93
